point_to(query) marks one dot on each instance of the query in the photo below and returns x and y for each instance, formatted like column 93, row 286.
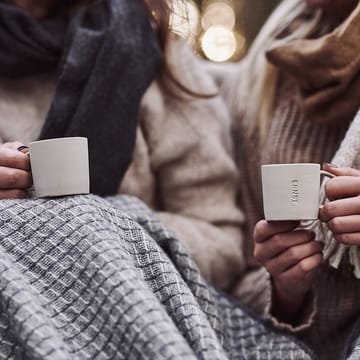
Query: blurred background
column 220, row 30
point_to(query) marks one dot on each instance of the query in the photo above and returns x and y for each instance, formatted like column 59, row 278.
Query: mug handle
column 326, row 173
column 311, row 224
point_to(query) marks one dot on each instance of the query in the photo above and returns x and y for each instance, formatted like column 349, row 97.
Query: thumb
column 15, row 145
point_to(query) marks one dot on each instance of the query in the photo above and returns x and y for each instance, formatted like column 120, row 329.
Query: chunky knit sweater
column 291, row 139
column 328, row 317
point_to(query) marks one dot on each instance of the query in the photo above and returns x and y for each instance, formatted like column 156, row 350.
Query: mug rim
column 70, row 138
column 291, row 164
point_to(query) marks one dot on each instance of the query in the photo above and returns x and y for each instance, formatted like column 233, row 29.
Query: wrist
column 287, row 305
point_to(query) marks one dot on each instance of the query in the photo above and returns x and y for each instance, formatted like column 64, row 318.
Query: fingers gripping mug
column 291, row 191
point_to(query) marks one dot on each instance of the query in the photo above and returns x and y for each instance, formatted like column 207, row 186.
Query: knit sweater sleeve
column 254, row 286
column 195, row 178
column 255, row 290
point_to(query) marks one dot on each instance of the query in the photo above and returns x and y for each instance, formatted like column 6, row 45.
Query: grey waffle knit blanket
column 90, row 278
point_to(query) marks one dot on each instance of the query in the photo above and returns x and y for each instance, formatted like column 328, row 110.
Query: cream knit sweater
column 182, row 165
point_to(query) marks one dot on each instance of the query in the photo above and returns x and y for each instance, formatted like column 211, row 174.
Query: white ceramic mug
column 60, row 166
column 291, row 191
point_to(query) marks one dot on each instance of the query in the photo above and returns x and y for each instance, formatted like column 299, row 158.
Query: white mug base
column 59, row 193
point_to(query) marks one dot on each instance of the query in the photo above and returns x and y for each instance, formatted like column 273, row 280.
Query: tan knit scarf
column 327, row 70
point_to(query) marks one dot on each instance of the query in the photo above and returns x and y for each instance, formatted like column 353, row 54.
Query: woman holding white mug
column 57, row 95
column 295, row 99
column 110, row 71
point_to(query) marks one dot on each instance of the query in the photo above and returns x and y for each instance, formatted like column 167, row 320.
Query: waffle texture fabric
column 85, row 277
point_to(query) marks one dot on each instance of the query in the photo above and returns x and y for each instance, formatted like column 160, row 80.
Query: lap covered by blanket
column 85, row 277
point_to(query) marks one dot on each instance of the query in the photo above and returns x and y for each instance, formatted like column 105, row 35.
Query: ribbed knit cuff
column 305, row 317
column 255, row 290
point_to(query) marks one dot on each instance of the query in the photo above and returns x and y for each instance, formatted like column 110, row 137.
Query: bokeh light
column 219, row 30
column 218, row 14
column 221, row 39
column 218, row 43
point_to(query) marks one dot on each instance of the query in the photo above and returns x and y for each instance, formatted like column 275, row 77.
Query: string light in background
column 218, row 43
column 218, row 14
column 212, row 31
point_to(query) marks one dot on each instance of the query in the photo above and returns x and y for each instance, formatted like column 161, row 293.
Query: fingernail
column 22, row 147
column 330, row 165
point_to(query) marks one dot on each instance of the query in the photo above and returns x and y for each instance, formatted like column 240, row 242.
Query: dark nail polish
column 22, row 147
column 330, row 165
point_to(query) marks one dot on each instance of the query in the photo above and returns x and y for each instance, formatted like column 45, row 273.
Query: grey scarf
column 105, row 56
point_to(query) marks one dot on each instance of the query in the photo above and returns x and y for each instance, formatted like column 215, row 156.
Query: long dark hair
column 159, row 12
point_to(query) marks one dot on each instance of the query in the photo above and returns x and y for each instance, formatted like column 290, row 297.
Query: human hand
column 291, row 255
column 15, row 175
column 342, row 212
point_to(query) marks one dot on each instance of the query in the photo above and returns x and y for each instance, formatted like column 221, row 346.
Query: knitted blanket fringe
column 90, row 278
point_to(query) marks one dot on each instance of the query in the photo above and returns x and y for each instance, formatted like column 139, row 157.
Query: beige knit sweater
column 326, row 322
column 182, row 165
